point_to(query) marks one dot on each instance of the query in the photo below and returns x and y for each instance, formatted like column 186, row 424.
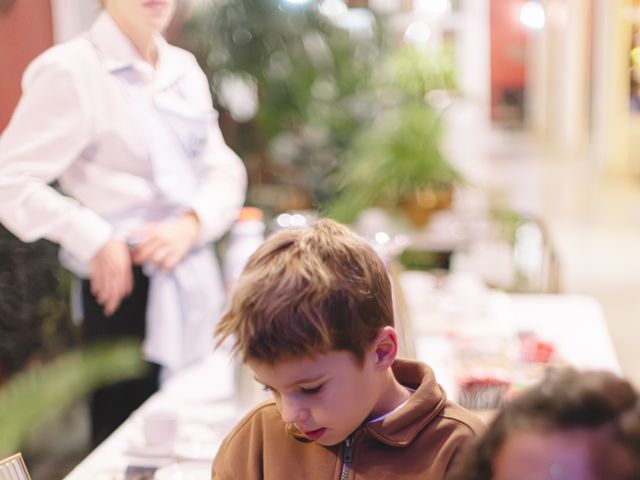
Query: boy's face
column 326, row 397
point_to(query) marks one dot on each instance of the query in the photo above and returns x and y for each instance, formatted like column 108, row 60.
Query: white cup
column 160, row 428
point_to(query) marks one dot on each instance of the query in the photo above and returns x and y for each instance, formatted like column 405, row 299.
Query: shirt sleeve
column 47, row 133
column 223, row 178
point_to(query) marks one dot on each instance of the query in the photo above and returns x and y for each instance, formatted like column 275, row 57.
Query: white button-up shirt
column 128, row 145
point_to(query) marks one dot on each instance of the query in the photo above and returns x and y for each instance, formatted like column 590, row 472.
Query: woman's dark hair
column 566, row 399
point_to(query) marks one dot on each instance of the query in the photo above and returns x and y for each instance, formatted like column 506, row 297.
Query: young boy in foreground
column 312, row 317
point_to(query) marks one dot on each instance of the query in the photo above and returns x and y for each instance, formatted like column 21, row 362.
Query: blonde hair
column 308, row 291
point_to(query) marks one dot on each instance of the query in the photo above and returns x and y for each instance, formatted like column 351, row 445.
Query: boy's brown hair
column 308, row 291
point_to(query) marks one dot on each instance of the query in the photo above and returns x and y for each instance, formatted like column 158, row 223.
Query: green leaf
column 34, row 394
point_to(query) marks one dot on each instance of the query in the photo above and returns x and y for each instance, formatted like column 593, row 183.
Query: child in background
column 312, row 317
column 574, row 425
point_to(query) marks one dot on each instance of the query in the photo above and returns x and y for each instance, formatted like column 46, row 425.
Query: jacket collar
column 118, row 53
column 400, row 427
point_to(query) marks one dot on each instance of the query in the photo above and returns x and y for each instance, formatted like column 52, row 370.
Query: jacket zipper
column 346, row 458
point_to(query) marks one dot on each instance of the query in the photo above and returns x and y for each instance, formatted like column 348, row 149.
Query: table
column 212, row 396
column 573, row 323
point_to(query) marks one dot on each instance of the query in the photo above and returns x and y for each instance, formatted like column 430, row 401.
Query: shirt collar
column 401, row 426
column 118, row 53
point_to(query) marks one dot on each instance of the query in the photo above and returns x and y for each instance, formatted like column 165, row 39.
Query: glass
column 14, row 468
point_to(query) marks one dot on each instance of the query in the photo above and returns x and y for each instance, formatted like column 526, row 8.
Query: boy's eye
column 266, row 388
column 311, row 391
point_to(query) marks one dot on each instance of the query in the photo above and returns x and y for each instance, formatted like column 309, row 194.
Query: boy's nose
column 293, row 412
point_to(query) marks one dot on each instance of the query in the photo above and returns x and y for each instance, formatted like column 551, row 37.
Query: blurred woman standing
column 124, row 122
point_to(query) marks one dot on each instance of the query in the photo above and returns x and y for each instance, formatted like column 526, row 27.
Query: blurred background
column 447, row 124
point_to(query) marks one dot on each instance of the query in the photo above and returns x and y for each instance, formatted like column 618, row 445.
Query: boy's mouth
column 315, row 434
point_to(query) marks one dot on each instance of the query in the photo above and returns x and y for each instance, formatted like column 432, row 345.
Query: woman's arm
column 48, row 132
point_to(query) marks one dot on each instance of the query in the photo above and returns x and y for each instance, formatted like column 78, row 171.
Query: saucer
column 146, row 450
column 184, row 471
column 196, row 450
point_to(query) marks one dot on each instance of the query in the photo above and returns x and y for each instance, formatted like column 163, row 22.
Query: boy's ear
column 385, row 347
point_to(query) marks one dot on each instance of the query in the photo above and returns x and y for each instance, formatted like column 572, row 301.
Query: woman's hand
column 164, row 244
column 110, row 275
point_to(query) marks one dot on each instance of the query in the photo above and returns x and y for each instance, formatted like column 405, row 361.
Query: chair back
column 14, row 468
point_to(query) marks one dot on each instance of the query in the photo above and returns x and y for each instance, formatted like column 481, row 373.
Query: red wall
column 24, row 32
column 508, row 47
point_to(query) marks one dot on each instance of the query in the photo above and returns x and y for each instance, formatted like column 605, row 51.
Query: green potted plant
column 395, row 161
column 342, row 122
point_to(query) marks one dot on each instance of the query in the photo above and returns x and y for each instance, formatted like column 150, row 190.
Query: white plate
column 184, row 471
